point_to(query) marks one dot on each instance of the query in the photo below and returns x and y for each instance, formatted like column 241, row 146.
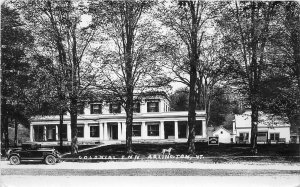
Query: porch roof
column 157, row 115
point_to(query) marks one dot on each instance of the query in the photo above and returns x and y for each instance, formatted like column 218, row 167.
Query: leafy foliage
column 15, row 41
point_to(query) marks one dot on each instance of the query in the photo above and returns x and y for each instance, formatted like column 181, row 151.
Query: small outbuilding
column 225, row 136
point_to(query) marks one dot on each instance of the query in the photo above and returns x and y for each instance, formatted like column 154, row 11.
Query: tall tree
column 187, row 21
column 64, row 39
column 210, row 74
column 246, row 28
column 281, row 91
column 292, row 25
column 15, row 40
column 130, row 65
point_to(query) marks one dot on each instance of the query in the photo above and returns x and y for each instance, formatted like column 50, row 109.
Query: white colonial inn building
column 105, row 121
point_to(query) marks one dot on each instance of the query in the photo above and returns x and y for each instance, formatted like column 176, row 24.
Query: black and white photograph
column 150, row 93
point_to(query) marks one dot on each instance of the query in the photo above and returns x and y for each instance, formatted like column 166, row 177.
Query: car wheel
column 14, row 160
column 50, row 160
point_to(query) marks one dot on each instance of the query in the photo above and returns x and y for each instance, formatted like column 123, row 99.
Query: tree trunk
column 73, row 115
column 4, row 122
column 129, row 102
column 128, row 44
column 295, row 44
column 61, row 122
column 192, row 104
column 254, row 124
column 292, row 22
column 192, row 108
column 254, row 80
column 16, row 133
column 129, row 109
column 193, row 77
column 129, row 118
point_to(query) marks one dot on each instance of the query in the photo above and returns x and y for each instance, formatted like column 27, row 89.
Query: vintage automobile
column 33, row 151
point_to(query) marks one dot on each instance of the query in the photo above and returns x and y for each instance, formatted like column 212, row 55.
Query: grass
column 221, row 153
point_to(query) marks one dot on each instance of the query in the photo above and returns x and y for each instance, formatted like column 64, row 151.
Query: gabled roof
column 221, row 127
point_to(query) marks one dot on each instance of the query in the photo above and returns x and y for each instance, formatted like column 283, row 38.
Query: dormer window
column 96, row 109
column 136, row 108
column 152, row 107
column 115, row 108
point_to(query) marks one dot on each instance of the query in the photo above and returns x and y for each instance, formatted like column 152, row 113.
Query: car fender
column 46, row 154
column 13, row 154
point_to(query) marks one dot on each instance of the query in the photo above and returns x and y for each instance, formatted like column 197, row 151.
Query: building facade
column 271, row 129
column 106, row 121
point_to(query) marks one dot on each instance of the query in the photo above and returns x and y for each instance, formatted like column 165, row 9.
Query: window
column 136, row 129
column 152, row 107
column 38, row 133
column 96, row 109
column 244, row 136
column 115, row 108
column 63, row 132
column 94, row 130
column 182, row 129
column 80, row 108
column 80, row 131
column 274, row 136
column 51, row 132
column 198, row 128
column 136, row 107
column 153, row 129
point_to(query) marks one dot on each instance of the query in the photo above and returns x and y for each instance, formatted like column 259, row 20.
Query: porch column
column 124, row 126
column 86, row 131
column 187, row 130
column 162, row 130
column 204, row 132
column 69, row 132
column 161, row 105
column 101, row 130
column 119, row 131
column 45, row 133
column 176, row 129
column 143, row 130
column 31, row 132
column 56, row 132
column 105, row 131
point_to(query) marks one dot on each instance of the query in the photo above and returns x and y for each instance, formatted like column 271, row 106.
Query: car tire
column 14, row 160
column 50, row 160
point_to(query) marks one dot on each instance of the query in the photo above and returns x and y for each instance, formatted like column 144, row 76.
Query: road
column 76, row 173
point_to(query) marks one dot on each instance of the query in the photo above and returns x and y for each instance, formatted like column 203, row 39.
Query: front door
column 169, row 130
column 114, row 132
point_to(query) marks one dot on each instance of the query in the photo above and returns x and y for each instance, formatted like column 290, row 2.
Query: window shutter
column 156, row 107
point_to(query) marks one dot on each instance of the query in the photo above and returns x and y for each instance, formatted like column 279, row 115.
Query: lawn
column 221, row 153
